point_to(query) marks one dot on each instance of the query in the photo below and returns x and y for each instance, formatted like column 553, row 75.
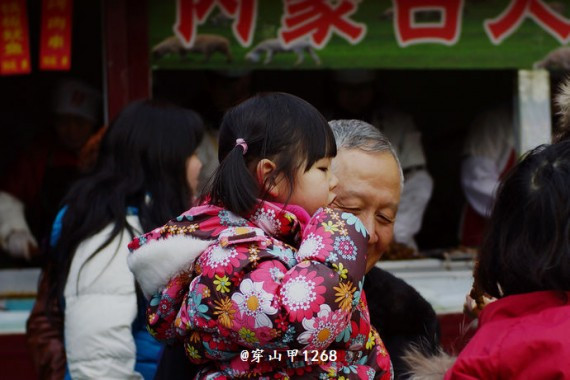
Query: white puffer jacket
column 100, row 307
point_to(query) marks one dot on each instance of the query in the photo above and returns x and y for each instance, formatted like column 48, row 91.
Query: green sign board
column 397, row 34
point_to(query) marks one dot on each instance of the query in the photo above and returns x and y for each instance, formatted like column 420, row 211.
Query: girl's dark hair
column 142, row 164
column 527, row 246
column 277, row 126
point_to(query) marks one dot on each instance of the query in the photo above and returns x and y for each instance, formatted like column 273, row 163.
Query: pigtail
column 278, row 126
column 233, row 186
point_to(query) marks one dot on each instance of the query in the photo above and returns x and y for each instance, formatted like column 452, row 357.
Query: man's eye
column 343, row 207
column 384, row 219
column 324, row 169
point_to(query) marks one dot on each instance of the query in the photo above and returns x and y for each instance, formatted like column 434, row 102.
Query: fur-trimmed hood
column 161, row 254
column 424, row 367
column 157, row 261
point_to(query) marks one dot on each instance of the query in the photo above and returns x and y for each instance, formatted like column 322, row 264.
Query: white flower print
column 255, row 302
column 312, row 244
column 267, row 220
column 219, row 256
column 322, row 329
column 298, row 293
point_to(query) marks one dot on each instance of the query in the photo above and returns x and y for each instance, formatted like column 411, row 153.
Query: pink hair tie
column 243, row 144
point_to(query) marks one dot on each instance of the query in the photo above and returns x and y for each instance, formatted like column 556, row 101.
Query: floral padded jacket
column 248, row 288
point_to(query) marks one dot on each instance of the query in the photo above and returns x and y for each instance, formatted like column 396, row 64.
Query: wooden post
column 125, row 54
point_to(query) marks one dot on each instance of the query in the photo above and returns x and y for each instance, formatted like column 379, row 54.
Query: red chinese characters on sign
column 55, row 42
column 507, row 23
column 14, row 38
column 191, row 13
column 317, row 19
column 409, row 31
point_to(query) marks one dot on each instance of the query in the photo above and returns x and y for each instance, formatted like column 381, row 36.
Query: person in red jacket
column 525, row 263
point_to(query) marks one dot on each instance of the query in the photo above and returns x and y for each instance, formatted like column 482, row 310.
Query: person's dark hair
column 527, row 245
column 142, row 164
column 277, row 126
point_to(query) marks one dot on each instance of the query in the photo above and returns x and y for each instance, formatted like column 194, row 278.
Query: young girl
column 226, row 276
column 525, row 264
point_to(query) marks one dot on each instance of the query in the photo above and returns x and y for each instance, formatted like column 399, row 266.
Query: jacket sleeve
column 44, row 334
column 479, row 180
column 488, row 146
column 162, row 254
column 332, row 261
column 161, row 261
column 12, row 219
column 100, row 307
column 266, row 304
column 413, row 202
column 476, row 367
column 334, row 244
column 19, row 188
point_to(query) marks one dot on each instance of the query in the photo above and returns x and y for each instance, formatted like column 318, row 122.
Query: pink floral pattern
column 345, row 247
column 316, row 245
column 301, row 294
column 217, row 259
column 322, row 329
column 273, row 280
column 254, row 304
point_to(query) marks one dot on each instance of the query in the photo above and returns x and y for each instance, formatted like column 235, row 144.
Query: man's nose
column 333, row 181
column 370, row 225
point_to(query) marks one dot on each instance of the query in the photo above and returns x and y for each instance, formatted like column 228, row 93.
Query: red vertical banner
column 14, row 38
column 55, row 42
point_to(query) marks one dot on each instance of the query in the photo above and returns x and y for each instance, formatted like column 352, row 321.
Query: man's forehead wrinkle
column 351, row 194
column 366, row 180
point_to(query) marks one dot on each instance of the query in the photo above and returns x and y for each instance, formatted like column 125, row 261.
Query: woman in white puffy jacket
column 145, row 174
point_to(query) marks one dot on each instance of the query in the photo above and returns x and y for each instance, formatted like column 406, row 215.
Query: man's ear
column 264, row 174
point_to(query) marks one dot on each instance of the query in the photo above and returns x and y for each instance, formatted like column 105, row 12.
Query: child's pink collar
column 298, row 212
column 302, row 215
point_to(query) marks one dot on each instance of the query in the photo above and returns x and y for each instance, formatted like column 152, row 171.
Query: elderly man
column 370, row 183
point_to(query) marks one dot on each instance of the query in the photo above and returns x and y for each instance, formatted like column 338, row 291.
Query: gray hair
column 358, row 134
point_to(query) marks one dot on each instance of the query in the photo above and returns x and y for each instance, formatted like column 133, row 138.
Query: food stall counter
column 17, row 296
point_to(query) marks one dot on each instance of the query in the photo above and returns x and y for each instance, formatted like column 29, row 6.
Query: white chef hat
column 77, row 98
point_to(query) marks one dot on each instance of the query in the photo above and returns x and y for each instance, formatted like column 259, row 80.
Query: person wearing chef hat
column 488, row 154
column 39, row 178
column 356, row 97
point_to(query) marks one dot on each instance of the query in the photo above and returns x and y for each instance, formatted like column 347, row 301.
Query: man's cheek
column 372, row 258
column 373, row 253
column 386, row 236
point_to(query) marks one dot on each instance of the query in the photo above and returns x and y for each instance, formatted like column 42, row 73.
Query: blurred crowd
column 85, row 197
